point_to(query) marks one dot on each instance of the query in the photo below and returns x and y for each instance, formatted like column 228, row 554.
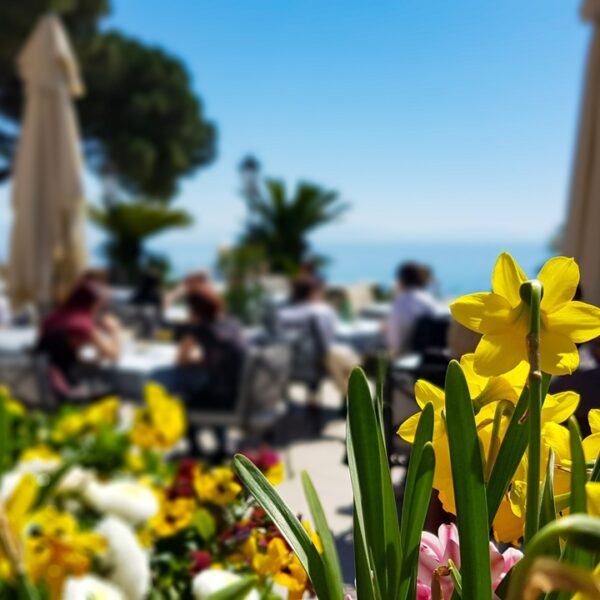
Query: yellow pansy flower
column 161, row 424
column 275, row 474
column 88, row 420
column 217, row 486
column 502, row 317
column 173, row 516
column 293, row 577
column 55, row 548
column 267, row 557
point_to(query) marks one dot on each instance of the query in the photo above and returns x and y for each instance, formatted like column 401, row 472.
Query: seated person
column 209, row 359
column 79, row 321
column 307, row 304
column 411, row 302
column 191, row 283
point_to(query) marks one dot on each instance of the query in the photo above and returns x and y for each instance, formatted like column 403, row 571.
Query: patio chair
column 261, row 397
column 429, row 361
column 307, row 353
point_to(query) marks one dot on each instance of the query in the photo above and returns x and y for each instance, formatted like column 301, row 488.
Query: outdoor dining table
column 364, row 335
column 17, row 340
column 137, row 362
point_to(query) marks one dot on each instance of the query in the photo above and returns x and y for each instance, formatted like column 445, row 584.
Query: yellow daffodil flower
column 161, row 424
column 217, row 486
column 55, row 548
column 591, row 444
column 502, row 317
column 173, row 516
column 484, row 391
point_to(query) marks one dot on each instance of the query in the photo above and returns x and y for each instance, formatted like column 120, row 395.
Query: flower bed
column 93, row 508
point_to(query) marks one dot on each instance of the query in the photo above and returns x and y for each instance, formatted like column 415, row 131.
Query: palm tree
column 281, row 224
column 129, row 225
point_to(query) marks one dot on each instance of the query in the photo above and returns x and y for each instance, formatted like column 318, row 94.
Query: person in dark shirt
column 209, row 358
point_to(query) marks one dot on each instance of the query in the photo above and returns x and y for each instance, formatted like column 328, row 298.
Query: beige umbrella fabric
column 582, row 234
column 47, row 250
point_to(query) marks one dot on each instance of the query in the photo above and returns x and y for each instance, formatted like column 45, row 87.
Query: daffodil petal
column 426, row 393
column 559, row 407
column 557, row 437
column 507, row 279
column 482, row 313
column 577, row 320
column 592, row 491
column 594, row 420
column 591, row 447
column 475, row 381
column 558, row 354
column 408, row 429
column 498, row 353
column 560, row 277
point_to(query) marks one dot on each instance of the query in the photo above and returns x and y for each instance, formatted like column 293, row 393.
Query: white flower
column 130, row 501
column 214, row 580
column 126, row 560
column 75, row 480
column 90, row 587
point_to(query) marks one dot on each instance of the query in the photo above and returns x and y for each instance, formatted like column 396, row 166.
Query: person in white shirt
column 307, row 303
column 411, row 302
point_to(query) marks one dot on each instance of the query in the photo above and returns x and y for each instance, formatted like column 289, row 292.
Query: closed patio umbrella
column 47, row 250
column 582, row 234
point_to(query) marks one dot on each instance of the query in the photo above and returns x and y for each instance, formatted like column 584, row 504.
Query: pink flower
column 435, row 552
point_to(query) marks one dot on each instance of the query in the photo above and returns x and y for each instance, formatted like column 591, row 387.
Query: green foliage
column 140, row 116
column 129, row 225
column 280, row 224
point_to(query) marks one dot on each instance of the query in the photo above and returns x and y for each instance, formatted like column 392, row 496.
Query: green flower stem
column 531, row 292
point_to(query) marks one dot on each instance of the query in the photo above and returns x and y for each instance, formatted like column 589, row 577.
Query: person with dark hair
column 411, row 302
column 209, row 359
column 76, row 323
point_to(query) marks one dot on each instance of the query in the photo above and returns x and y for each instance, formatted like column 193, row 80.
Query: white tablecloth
column 17, row 340
column 136, row 364
column 364, row 335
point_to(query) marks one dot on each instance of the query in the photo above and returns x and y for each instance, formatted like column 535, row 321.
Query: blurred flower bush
column 505, row 457
column 94, row 504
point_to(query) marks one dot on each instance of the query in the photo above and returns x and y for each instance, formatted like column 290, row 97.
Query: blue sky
column 436, row 120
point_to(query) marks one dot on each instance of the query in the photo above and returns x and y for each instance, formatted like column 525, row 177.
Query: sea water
column 459, row 268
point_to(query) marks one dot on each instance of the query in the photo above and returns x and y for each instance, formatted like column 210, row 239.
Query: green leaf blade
column 469, row 487
column 374, row 496
column 330, row 554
